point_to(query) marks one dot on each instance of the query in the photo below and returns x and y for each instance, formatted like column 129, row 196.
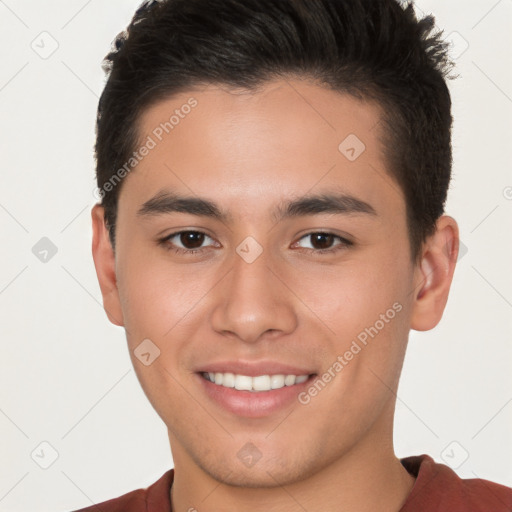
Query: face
column 292, row 259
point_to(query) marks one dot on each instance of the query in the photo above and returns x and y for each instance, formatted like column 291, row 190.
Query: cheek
column 354, row 294
column 369, row 317
column 158, row 302
column 157, row 294
column 145, row 293
column 367, row 306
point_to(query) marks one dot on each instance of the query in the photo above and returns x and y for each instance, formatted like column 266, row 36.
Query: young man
column 273, row 175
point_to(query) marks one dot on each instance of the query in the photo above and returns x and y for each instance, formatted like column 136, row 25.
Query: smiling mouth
column 259, row 383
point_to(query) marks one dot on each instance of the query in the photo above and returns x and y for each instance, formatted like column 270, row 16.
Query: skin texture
column 249, row 151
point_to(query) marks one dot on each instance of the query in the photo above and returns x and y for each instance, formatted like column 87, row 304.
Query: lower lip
column 253, row 404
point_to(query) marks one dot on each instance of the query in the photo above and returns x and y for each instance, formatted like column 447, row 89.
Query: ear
column 433, row 276
column 105, row 263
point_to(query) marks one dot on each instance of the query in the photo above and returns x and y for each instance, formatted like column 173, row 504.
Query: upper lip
column 253, row 369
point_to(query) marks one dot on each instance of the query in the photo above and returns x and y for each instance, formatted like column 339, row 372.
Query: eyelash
column 178, row 250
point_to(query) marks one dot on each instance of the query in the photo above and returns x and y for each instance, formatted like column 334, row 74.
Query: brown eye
column 322, row 240
column 191, row 239
column 323, row 243
column 185, row 242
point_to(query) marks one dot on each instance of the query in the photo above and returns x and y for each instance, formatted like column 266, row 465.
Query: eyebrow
column 167, row 202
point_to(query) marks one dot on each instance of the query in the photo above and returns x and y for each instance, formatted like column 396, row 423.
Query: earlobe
column 104, row 262
column 434, row 275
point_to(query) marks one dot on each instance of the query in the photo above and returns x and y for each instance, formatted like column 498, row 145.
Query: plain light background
column 66, row 379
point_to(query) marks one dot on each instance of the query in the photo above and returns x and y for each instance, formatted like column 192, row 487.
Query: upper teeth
column 259, row 383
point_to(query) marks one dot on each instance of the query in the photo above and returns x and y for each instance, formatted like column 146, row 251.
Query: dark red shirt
column 437, row 489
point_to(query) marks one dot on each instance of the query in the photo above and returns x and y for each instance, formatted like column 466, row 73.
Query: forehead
column 249, row 148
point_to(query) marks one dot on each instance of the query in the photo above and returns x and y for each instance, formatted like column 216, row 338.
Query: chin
column 265, row 473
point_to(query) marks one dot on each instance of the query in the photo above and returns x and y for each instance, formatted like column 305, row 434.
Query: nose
column 253, row 300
